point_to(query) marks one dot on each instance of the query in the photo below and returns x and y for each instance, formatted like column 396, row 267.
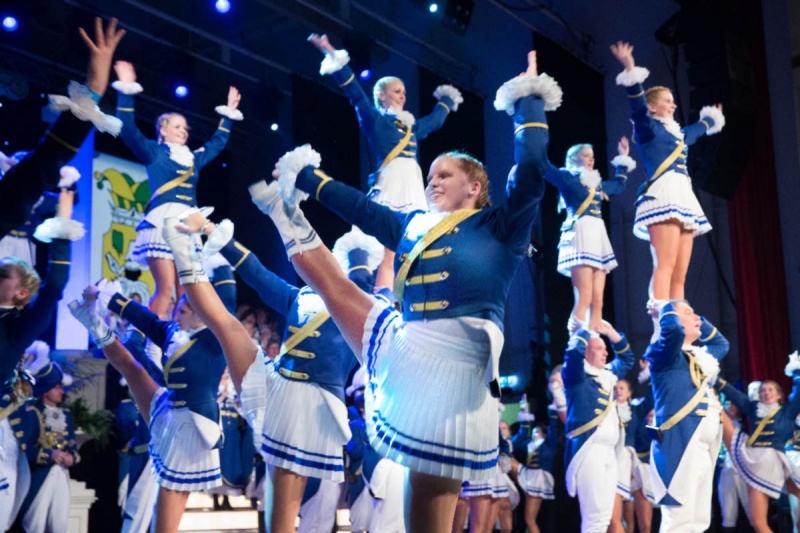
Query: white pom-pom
column 127, row 87
column 40, row 351
column 222, row 235
column 289, row 166
column 83, row 106
column 210, row 264
column 225, row 111
column 525, row 417
column 59, row 228
column 624, row 161
column 644, row 375
column 451, row 92
column 629, row 78
column 334, row 62
column 309, row 304
column 353, row 239
column 69, row 175
column 67, row 379
column 714, row 114
column 525, row 85
column 794, row 364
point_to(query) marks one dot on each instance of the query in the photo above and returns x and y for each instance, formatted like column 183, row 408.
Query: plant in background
column 97, row 424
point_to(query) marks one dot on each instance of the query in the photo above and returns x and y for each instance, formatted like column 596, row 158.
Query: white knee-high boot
column 297, row 234
column 187, row 263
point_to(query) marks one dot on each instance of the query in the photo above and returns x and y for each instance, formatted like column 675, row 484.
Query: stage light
column 10, row 23
column 222, row 6
column 433, row 7
column 181, row 91
column 365, row 74
column 274, row 126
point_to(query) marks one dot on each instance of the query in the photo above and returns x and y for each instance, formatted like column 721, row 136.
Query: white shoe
column 187, row 263
column 296, row 233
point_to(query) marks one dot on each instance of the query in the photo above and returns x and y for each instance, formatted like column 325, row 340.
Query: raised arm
column 126, row 85
column 739, row 398
column 272, row 289
column 448, row 100
column 631, row 78
column 142, row 318
column 623, row 361
column 714, row 341
column 335, row 64
column 667, row 348
column 623, row 165
column 353, row 206
column 572, row 372
column 711, row 121
column 230, row 114
column 59, row 231
column 526, row 98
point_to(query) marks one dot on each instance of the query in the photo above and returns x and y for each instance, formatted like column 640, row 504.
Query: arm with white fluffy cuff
column 143, row 148
column 624, row 165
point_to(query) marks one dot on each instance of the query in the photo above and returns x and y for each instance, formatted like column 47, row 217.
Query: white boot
column 187, row 263
column 297, row 234
column 574, row 324
column 86, row 314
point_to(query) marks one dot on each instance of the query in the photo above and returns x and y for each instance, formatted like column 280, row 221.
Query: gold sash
column 395, row 151
column 444, row 226
column 306, row 331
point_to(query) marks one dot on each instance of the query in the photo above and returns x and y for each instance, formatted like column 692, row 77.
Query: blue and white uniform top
column 678, row 372
column 657, row 138
column 539, row 454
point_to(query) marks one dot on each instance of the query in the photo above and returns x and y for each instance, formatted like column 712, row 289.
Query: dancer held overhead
column 455, row 266
column 392, row 134
column 667, row 211
column 584, row 251
column 173, row 172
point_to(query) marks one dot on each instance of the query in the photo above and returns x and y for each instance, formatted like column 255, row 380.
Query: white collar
column 400, row 114
column 590, row 178
column 624, row 412
column 672, row 126
column 763, row 409
column 604, row 377
column 181, row 154
column 708, row 363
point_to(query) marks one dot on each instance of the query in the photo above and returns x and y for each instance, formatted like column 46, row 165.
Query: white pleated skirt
column 670, row 198
column 586, row 244
column 306, row 427
column 150, row 240
column 427, row 407
column 764, row 469
column 536, row 482
column 11, row 246
column 400, row 186
column 182, row 446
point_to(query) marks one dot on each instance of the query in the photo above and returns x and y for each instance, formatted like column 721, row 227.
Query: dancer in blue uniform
column 24, row 183
column 51, row 451
column 183, row 416
column 392, row 134
column 307, row 425
column 667, row 211
column 593, row 425
column 238, row 448
column 688, row 432
column 637, row 442
column 430, row 367
column 173, row 172
column 584, row 251
column 760, row 457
